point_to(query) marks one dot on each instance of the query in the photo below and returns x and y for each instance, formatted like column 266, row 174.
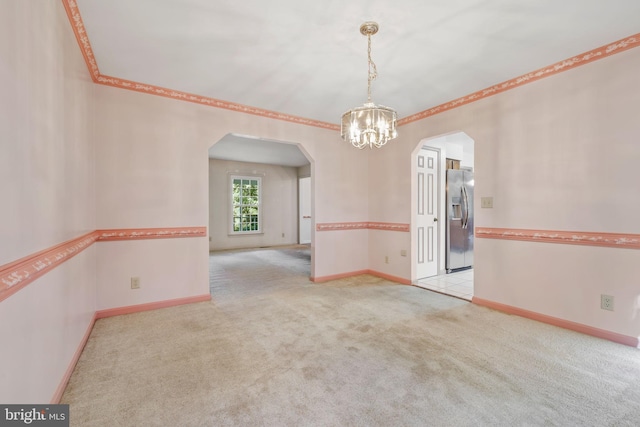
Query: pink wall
column 165, row 268
column 560, row 153
column 48, row 190
column 152, row 170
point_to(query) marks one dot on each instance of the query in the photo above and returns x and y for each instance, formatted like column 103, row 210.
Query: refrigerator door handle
column 466, row 206
column 463, row 206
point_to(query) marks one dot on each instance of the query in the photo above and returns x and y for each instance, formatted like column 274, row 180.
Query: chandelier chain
column 373, row 71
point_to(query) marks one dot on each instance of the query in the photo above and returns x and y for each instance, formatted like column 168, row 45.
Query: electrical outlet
column 135, row 283
column 282, row 234
column 486, row 202
column 606, row 302
column 386, row 259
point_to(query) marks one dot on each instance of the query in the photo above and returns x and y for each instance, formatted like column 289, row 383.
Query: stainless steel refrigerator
column 459, row 235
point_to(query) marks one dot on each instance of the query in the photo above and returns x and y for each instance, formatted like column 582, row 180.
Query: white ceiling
column 308, row 59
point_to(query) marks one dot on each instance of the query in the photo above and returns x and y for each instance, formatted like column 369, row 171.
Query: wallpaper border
column 561, row 66
column 611, row 240
column 363, row 225
column 18, row 274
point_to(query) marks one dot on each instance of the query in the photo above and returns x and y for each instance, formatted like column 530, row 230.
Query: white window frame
column 233, row 208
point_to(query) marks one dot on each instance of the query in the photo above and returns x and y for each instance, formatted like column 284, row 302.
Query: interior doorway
column 268, row 215
column 430, row 161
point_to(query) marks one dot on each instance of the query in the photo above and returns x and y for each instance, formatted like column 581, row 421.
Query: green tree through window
column 246, row 204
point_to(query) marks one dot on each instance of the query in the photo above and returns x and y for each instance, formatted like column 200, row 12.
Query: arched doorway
column 432, row 221
column 255, row 200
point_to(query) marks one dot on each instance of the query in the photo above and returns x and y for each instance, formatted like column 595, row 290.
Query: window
column 245, row 204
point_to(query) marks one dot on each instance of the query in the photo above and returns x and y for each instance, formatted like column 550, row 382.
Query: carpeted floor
column 273, row 349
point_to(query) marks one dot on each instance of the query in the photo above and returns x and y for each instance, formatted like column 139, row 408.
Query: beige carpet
column 273, row 349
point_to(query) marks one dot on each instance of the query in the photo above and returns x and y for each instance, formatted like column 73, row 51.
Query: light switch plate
column 486, row 202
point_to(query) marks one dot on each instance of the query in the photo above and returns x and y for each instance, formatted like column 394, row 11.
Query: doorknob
column 435, row 219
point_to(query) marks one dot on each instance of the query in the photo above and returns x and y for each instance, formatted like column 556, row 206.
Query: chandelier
column 370, row 125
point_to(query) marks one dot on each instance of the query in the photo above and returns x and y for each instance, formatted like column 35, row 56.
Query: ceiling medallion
column 370, row 125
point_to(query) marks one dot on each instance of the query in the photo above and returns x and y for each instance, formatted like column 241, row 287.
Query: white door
column 304, row 201
column 428, row 161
